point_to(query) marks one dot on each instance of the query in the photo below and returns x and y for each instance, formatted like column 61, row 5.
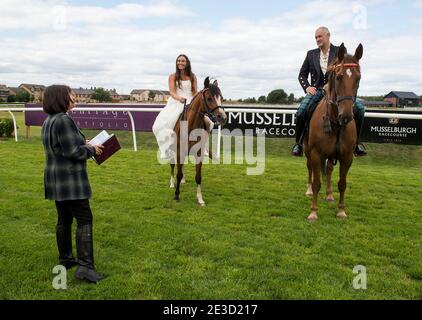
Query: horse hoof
column 341, row 215
column 313, row 217
column 202, row 204
column 172, row 186
column 176, row 199
column 329, row 198
column 183, row 181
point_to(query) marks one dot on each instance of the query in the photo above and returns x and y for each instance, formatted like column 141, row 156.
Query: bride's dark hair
column 188, row 72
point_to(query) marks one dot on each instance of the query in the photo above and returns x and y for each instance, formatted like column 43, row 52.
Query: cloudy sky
column 252, row 47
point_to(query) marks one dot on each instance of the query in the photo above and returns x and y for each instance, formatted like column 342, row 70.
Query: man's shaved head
column 322, row 37
column 323, row 29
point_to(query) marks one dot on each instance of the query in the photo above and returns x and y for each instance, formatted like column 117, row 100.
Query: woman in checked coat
column 66, row 180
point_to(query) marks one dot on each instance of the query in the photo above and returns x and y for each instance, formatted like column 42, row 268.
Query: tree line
column 278, row 96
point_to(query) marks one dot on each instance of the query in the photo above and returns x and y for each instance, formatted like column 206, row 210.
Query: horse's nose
column 221, row 120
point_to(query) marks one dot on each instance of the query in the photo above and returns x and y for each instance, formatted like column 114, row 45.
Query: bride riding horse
column 191, row 133
column 332, row 132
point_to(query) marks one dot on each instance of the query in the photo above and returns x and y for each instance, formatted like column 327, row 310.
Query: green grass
column 251, row 241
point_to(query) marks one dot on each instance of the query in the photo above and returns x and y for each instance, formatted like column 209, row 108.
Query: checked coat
column 65, row 175
column 312, row 66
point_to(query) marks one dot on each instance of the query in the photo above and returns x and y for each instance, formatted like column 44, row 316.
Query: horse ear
column 207, row 82
column 359, row 52
column 341, row 52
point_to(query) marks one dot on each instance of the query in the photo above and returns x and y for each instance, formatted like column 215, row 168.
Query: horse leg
column 329, row 191
column 316, row 184
column 179, row 179
column 172, row 165
column 209, row 125
column 309, row 190
column 198, row 179
column 344, row 169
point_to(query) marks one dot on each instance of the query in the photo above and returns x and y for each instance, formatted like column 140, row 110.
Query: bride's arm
column 172, row 88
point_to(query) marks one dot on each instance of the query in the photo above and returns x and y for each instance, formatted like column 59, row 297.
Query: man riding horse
column 316, row 63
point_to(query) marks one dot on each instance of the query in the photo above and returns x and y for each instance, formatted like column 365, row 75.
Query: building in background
column 401, row 99
column 115, row 97
column 145, row 95
column 125, row 98
column 13, row 91
column 35, row 91
column 84, row 95
column 4, row 93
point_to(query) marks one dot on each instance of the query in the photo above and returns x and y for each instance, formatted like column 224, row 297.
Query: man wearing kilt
column 315, row 64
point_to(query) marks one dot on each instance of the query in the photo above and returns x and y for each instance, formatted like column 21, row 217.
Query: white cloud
column 99, row 47
column 43, row 14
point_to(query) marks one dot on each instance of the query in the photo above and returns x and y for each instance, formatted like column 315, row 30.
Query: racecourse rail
column 10, row 110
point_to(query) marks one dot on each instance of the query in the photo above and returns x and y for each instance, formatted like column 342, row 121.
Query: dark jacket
column 65, row 176
column 312, row 66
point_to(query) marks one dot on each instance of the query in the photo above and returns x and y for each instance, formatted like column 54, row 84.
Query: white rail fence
column 10, row 110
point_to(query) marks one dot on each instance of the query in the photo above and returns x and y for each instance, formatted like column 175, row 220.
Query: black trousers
column 78, row 209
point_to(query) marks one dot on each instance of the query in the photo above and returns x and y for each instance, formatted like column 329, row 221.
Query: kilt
column 310, row 100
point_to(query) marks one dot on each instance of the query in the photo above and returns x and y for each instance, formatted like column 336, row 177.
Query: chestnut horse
column 191, row 140
column 332, row 133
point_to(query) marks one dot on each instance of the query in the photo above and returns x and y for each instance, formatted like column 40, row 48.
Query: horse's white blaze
column 218, row 100
column 199, row 195
column 349, row 73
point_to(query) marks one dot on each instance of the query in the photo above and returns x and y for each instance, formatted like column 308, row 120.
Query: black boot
column 84, row 246
column 359, row 149
column 64, row 244
column 297, row 150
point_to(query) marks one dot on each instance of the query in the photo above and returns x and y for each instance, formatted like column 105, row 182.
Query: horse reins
column 209, row 112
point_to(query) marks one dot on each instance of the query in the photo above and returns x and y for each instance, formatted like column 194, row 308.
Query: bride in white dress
column 183, row 86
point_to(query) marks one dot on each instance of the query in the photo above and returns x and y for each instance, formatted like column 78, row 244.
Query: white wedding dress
column 163, row 126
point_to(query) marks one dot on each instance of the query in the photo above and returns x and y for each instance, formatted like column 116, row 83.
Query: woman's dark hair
column 188, row 72
column 56, row 99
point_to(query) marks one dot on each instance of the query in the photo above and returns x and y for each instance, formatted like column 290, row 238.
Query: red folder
column 111, row 146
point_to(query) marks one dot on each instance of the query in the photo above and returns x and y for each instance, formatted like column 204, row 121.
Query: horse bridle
column 341, row 98
column 208, row 111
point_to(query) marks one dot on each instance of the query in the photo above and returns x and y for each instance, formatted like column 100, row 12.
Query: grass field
column 251, row 241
